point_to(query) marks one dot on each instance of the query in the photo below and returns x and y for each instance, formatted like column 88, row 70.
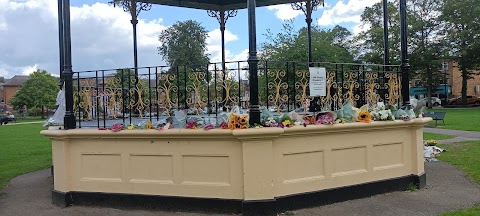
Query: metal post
column 69, row 119
column 309, row 30
column 386, row 50
column 405, row 66
column 222, row 17
column 253, row 64
column 222, row 31
column 60, row 41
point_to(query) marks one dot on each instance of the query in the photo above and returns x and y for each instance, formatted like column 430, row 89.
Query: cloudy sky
column 102, row 34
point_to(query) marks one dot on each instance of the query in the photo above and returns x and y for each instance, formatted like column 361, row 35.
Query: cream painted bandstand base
column 258, row 168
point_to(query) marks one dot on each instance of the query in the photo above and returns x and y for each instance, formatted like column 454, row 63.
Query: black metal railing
column 104, row 97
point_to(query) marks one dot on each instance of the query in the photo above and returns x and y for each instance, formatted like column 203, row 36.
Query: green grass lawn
column 22, row 150
column 459, row 119
column 466, row 156
column 475, row 211
column 434, row 136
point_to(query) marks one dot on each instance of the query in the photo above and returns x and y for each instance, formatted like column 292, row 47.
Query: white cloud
column 345, row 12
column 360, row 28
column 214, row 44
column 285, row 11
column 101, row 37
column 29, row 69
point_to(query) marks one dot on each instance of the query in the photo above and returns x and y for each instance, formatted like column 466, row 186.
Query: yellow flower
column 131, row 127
column 287, row 123
column 149, row 125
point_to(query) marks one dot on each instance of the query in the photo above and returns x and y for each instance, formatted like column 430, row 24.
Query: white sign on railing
column 318, row 81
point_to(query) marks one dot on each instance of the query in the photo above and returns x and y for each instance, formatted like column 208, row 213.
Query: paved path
column 460, row 136
column 447, row 189
column 22, row 123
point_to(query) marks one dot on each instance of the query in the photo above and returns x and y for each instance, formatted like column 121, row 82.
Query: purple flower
column 280, row 125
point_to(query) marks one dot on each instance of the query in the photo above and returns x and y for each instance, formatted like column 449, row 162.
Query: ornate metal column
column 60, row 41
column 69, row 119
column 253, row 63
column 134, row 8
column 308, row 7
column 405, row 66
column 386, row 51
column 222, row 17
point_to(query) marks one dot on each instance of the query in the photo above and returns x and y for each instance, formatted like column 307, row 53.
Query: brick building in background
column 8, row 88
column 455, row 80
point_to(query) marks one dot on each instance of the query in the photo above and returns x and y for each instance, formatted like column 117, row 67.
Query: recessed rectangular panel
column 387, row 156
column 101, row 167
column 303, row 166
column 206, row 170
column 151, row 168
column 349, row 161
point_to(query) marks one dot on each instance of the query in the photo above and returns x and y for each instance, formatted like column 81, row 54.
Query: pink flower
column 116, row 127
column 224, row 125
column 325, row 120
column 209, row 127
column 191, row 124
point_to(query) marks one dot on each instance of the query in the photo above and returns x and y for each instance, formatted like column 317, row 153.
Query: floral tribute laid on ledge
column 235, row 120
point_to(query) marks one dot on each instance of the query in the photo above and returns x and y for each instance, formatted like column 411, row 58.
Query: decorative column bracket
column 308, row 7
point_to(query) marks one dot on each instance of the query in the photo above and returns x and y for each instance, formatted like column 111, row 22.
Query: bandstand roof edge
column 216, row 4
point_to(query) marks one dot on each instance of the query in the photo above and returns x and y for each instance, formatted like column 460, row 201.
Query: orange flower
column 364, row 117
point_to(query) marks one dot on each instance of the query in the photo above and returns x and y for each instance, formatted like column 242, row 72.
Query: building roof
column 216, row 4
column 17, row 80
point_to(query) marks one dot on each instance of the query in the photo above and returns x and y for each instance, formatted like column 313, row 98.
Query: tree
column 184, row 44
column 463, row 36
column 369, row 43
column 328, row 45
column 39, row 91
column 426, row 43
column 424, row 39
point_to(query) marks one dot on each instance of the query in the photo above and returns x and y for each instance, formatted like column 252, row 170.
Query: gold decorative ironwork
column 113, row 92
column 196, row 87
column 302, row 85
column 329, row 100
column 371, row 87
column 394, row 88
column 277, row 98
column 165, row 91
column 351, row 83
column 229, row 85
column 136, row 92
column 86, row 93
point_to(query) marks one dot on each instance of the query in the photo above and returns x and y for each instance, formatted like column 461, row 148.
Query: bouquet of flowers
column 238, row 121
column 380, row 113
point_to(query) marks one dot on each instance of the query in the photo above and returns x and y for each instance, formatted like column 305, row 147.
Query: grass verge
column 475, row 211
column 465, row 156
column 22, row 150
column 434, row 136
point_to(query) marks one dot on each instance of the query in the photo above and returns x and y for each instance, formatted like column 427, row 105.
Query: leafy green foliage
column 184, row 43
column 463, row 36
column 39, row 91
column 328, row 45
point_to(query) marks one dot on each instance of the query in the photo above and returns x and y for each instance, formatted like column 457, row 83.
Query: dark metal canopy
column 216, row 4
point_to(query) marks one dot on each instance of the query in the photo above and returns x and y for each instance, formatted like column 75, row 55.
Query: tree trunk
column 464, row 86
column 429, row 87
column 42, row 113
